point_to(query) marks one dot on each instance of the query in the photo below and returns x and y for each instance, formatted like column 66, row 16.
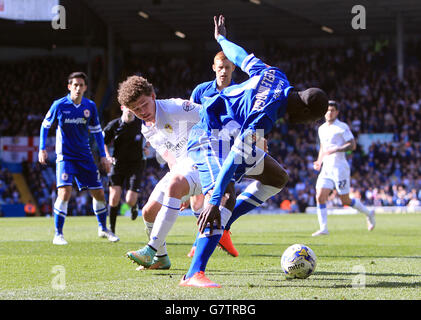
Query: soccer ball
column 298, row 261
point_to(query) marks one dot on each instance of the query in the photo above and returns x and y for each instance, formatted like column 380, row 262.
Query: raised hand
column 219, row 26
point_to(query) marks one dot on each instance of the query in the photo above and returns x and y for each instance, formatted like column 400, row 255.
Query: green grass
column 390, row 257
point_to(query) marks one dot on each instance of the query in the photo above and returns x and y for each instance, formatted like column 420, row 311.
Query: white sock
column 261, row 191
column 162, row 250
column 225, row 216
column 61, row 206
column 322, row 216
column 164, row 221
column 356, row 204
column 148, row 228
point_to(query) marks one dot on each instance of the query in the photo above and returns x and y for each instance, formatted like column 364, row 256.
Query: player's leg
column 132, row 194
column 114, row 204
column 323, row 189
column 115, row 183
column 165, row 219
column 131, row 200
column 151, row 208
column 99, row 205
column 88, row 177
column 60, row 212
column 149, row 213
column 358, row 205
column 268, row 183
column 206, row 244
column 196, row 205
column 64, row 181
column 343, row 185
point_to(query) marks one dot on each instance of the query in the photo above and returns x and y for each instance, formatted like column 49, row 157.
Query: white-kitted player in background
column 335, row 140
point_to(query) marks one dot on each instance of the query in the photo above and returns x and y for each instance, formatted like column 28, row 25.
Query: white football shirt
column 169, row 134
column 334, row 135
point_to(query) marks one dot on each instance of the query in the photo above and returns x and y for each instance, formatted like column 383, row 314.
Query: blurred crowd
column 9, row 193
column 361, row 78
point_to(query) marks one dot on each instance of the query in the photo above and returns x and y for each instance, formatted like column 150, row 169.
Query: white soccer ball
column 298, row 261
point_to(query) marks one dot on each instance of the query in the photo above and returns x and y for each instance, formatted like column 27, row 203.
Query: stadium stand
column 372, row 101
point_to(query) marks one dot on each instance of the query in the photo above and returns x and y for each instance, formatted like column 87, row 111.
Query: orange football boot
column 226, row 244
column 198, row 280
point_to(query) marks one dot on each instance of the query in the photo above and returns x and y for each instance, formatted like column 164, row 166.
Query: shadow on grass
column 296, row 284
column 352, row 257
column 322, row 273
column 380, row 257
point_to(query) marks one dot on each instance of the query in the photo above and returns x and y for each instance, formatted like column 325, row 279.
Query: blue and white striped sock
column 60, row 213
column 100, row 210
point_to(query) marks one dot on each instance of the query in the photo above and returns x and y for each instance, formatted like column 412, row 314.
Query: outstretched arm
column 236, row 54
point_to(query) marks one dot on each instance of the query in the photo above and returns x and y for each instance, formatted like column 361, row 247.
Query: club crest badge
column 168, row 128
column 86, row 113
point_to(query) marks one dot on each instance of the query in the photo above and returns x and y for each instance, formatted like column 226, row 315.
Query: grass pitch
column 353, row 263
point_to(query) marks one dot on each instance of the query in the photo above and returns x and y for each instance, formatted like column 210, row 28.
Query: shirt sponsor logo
column 76, row 121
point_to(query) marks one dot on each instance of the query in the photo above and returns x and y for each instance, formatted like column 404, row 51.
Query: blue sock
column 195, row 241
column 60, row 213
column 243, row 205
column 206, row 245
column 100, row 210
column 59, row 218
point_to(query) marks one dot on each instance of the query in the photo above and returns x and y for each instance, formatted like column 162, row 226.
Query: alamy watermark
column 59, row 280
column 358, row 22
column 59, row 20
column 359, row 281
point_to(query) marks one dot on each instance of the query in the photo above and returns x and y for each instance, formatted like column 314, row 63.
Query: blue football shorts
column 85, row 173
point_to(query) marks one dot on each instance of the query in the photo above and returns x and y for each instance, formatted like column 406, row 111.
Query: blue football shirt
column 75, row 123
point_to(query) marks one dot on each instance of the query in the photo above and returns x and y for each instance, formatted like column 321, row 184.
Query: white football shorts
column 185, row 168
column 338, row 177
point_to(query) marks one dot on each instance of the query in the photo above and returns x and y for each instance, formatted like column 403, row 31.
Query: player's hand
column 220, row 29
column 106, row 164
column 317, row 165
column 43, row 156
column 210, row 214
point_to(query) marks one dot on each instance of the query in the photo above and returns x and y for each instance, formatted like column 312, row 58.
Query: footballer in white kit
column 335, row 173
column 174, row 119
column 335, row 140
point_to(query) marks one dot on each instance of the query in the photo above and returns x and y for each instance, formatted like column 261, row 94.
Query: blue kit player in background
column 255, row 105
column 223, row 69
column 77, row 117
